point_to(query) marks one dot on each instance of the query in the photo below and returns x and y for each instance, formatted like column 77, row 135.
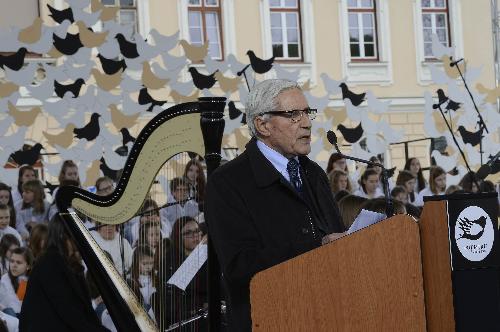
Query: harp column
column 212, row 127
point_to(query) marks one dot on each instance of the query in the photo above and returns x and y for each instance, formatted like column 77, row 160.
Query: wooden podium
column 392, row 276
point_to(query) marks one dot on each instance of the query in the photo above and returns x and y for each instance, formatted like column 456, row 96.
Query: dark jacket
column 256, row 220
column 57, row 299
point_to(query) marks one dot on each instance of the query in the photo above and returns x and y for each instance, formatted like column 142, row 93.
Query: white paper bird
column 375, row 105
column 438, row 49
column 164, row 43
column 331, row 85
column 23, row 76
column 446, row 162
column 283, row 73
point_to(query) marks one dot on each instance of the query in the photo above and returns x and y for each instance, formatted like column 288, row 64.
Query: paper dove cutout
column 23, row 118
column 150, row 80
column 193, row 52
column 64, row 138
column 31, row 34
column 121, row 120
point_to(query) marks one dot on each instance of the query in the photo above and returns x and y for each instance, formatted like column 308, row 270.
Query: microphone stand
column 481, row 122
column 243, row 72
column 438, row 106
column 389, row 207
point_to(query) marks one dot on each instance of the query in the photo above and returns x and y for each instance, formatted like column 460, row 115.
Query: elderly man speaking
column 271, row 203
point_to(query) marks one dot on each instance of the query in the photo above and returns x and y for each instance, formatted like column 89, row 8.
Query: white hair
column 262, row 99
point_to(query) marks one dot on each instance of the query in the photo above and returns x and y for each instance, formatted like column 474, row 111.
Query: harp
column 195, row 127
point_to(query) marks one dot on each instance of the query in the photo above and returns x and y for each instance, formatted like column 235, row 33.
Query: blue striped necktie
column 293, row 170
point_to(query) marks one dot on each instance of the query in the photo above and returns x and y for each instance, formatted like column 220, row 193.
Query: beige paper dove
column 178, row 98
column 107, row 82
column 91, row 39
column 6, row 89
column 63, row 139
column 120, row 120
column 150, row 80
column 228, row 85
column 31, row 34
column 92, row 173
column 23, row 118
column 194, row 53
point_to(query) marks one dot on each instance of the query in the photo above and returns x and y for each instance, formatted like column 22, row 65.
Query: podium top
column 459, row 197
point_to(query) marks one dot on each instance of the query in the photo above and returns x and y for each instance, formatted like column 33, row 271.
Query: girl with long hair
column 437, row 185
column 142, row 275
column 339, row 180
column 407, row 180
column 8, row 243
column 412, row 165
column 26, row 173
column 193, row 172
column 369, row 184
column 33, row 208
column 13, row 284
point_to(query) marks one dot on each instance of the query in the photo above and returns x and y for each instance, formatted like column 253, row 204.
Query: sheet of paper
column 188, row 269
column 364, row 219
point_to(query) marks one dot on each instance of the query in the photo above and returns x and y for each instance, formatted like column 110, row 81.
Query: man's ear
column 262, row 127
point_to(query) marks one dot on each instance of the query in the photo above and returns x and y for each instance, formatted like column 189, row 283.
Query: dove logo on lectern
column 474, row 233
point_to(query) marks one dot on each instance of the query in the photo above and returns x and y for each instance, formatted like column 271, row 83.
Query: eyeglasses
column 191, row 233
column 294, row 115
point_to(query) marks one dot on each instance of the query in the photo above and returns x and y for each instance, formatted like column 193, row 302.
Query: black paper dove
column 145, row 98
column 27, row 157
column 69, row 45
column 351, row 135
column 60, row 15
column 356, row 99
column 452, row 105
column 111, row 67
column 91, row 130
column 126, row 138
column 74, row 88
column 202, row 81
column 128, row 49
column 14, row 61
column 469, row 137
column 260, row 66
column 111, row 173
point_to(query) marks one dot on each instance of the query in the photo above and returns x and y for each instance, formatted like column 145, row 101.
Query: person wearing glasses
column 271, row 203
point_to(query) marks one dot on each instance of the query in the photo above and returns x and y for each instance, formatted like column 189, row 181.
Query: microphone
column 389, row 206
column 438, row 105
column 454, row 63
column 243, row 70
column 486, row 169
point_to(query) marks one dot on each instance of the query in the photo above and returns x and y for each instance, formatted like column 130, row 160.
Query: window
column 128, row 11
column 204, row 20
column 362, row 20
column 285, row 29
column 435, row 20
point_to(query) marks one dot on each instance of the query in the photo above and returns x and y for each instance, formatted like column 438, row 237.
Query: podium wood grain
column 437, row 267
column 368, row 281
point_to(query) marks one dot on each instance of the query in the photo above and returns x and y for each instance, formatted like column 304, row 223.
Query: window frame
column 432, row 10
column 203, row 8
column 134, row 8
column 284, row 9
column 364, row 10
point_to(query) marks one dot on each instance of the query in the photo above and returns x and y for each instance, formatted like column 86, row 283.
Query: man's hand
column 331, row 237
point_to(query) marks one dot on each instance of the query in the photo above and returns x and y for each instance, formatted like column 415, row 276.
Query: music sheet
column 188, row 269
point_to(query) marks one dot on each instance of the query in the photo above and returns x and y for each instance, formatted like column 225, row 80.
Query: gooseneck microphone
column 389, row 206
column 456, row 62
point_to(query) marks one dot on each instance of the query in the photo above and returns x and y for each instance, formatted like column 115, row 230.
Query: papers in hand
column 365, row 218
column 188, row 269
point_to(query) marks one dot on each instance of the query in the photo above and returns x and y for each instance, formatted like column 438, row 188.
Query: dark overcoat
column 57, row 299
column 256, row 219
